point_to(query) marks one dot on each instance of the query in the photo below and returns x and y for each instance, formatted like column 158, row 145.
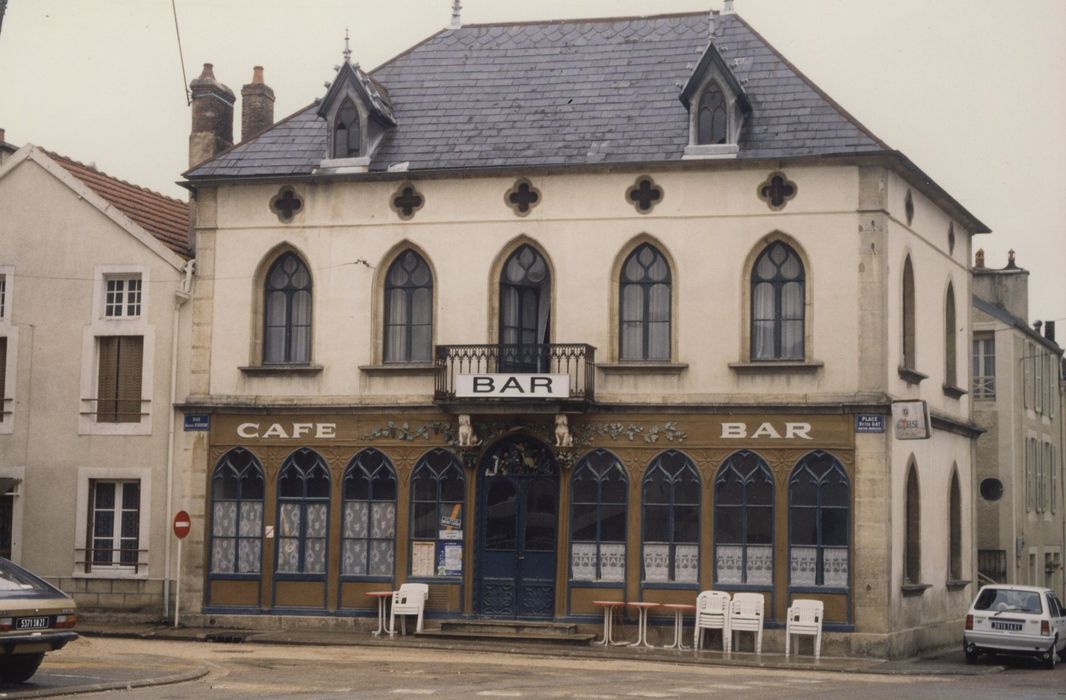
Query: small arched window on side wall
column 954, row 529
column 645, row 305
column 712, row 120
column 912, row 545
column 287, row 312
column 908, row 312
column 950, row 333
column 346, row 135
column 408, row 309
column 778, row 297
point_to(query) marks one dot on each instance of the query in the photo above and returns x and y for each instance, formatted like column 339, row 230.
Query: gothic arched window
column 744, row 521
column 644, row 296
column 409, row 310
column 287, row 312
column 712, row 120
column 237, row 514
column 778, row 289
column 346, row 132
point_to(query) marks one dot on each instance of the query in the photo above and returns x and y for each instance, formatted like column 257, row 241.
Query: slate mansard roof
column 565, row 93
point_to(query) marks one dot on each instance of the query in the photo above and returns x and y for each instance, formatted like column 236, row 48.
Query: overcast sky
column 973, row 91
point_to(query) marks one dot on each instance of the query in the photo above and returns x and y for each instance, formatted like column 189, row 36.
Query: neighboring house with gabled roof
column 94, row 273
column 546, row 313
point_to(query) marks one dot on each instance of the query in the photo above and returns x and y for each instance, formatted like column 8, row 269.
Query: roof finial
column 347, row 48
column 457, row 8
column 727, row 7
column 713, row 23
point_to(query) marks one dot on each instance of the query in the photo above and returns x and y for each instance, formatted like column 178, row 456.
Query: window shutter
column 107, row 380
column 128, row 395
column 3, row 376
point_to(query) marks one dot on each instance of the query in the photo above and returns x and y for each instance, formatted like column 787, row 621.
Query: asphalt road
column 277, row 671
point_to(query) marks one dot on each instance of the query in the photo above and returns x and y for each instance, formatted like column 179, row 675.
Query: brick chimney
column 212, row 117
column 1007, row 287
column 1049, row 330
column 257, row 106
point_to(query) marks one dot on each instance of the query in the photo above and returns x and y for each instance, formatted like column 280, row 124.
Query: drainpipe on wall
column 182, row 295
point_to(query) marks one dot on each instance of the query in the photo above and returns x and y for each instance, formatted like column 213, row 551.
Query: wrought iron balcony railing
column 576, row 361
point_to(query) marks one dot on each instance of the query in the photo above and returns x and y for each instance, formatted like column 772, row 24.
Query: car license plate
column 1007, row 626
column 31, row 623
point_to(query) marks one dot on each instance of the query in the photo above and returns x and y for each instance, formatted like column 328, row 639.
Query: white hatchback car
column 1016, row 621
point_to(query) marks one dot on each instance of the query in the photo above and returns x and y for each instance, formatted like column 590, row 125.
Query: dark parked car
column 35, row 617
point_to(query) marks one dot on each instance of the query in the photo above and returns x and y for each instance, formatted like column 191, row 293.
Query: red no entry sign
column 182, row 524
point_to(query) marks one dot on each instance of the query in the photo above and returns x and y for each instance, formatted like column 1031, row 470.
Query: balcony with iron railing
column 527, row 367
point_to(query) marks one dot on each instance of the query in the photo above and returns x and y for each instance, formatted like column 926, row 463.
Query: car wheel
column 973, row 656
column 20, row 667
column 1049, row 662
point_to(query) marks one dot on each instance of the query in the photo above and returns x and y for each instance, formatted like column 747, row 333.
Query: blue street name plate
column 197, row 422
column 869, row 423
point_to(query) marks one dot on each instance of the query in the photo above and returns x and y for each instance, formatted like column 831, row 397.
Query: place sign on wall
column 869, row 423
column 195, row 422
column 512, row 386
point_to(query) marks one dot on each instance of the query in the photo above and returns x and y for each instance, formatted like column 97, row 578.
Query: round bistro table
column 609, row 607
column 679, row 623
column 383, row 598
column 642, row 623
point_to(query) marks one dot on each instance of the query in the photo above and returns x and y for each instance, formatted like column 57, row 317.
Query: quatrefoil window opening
column 644, row 195
column 406, row 201
column 776, row 190
column 522, row 197
column 286, row 204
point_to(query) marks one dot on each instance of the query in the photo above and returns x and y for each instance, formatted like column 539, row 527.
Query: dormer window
column 346, row 132
column 712, row 120
column 717, row 107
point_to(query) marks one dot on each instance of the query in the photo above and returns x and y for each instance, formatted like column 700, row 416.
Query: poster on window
column 422, row 558
column 449, row 559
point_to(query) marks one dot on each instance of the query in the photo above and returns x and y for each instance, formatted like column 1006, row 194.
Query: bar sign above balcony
column 512, row 386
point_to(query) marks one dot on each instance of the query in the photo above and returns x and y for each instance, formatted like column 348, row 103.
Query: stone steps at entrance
column 511, row 630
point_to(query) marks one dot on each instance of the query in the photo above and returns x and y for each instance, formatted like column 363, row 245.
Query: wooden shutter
column 3, row 376
column 130, row 354
column 107, row 379
column 118, row 394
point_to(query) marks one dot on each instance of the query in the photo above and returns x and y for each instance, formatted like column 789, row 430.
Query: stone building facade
column 632, row 328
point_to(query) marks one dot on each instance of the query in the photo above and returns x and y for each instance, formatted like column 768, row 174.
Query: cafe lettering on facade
column 638, row 506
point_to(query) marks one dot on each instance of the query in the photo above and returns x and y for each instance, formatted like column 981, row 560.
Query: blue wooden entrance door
column 518, row 504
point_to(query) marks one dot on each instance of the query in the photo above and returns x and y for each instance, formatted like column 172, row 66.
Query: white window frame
column 981, row 344
column 101, row 325
column 118, row 296
column 11, row 332
column 87, row 476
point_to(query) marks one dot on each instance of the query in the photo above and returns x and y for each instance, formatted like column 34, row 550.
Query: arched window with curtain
column 598, row 510
column 644, row 305
column 908, row 311
column 408, row 309
column 912, row 545
column 744, row 521
column 950, row 337
column 346, row 135
column 438, row 493
column 671, row 535
column 819, row 515
column 237, row 514
column 955, row 528
column 778, row 297
column 368, row 533
column 525, row 311
column 287, row 312
column 712, row 120
column 303, row 514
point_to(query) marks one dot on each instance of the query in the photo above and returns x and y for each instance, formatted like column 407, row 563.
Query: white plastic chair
column 712, row 613
column 746, row 615
column 409, row 600
column 805, row 617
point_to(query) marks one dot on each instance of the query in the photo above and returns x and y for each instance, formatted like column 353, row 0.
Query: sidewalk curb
column 744, row 660
column 182, row 677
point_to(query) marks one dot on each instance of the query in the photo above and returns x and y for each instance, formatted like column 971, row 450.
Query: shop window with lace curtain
column 237, row 488
column 598, row 519
column 819, row 523
column 671, row 501
column 303, row 514
column 368, row 533
column 744, row 521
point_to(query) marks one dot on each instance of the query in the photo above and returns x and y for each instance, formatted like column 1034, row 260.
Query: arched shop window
column 819, row 505
column 671, row 521
column 744, row 521
column 368, row 534
column 237, row 514
column 438, row 489
column 598, row 491
column 303, row 514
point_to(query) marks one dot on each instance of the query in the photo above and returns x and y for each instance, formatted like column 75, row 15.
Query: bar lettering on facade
column 792, row 431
